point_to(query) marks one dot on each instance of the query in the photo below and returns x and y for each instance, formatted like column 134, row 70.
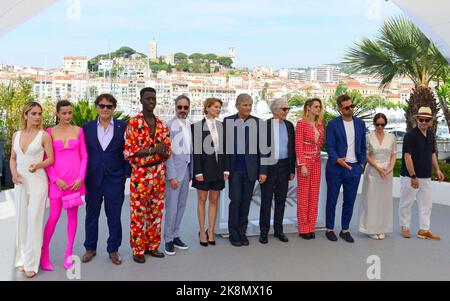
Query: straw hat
column 425, row 112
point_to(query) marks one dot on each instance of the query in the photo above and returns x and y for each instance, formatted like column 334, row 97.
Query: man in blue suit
column 106, row 174
column 346, row 143
column 242, row 159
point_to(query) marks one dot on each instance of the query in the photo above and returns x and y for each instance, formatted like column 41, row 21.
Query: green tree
column 13, row 97
column 443, row 93
column 206, row 68
column 225, row 61
column 401, row 50
column 180, row 56
column 196, row 56
column 196, row 67
column 48, row 112
column 296, row 101
column 341, row 89
column 210, row 57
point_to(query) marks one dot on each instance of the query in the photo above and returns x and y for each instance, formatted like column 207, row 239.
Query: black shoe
column 169, row 248
column 139, row 258
column 312, row 235
column 244, row 240
column 346, row 236
column 305, row 236
column 155, row 253
column 203, row 244
column 235, row 241
column 179, row 244
column 211, row 242
column 263, row 238
column 282, row 237
column 331, row 236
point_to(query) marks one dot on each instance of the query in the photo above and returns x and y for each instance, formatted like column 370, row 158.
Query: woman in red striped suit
column 308, row 138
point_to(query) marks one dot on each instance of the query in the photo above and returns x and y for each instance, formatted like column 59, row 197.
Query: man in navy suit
column 243, row 161
column 106, row 174
column 346, row 143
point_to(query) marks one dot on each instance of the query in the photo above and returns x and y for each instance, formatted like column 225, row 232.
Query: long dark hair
column 60, row 104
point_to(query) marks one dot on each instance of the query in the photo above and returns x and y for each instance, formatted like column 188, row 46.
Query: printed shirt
column 138, row 137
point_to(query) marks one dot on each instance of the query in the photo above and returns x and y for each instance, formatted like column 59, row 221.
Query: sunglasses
column 349, row 107
column 285, row 109
column 422, row 120
column 380, row 124
column 102, row 106
column 183, row 108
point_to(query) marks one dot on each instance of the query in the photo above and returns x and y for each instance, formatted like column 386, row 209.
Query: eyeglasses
column 183, row 108
column 380, row 124
column 348, row 107
column 422, row 120
column 102, row 106
column 285, row 109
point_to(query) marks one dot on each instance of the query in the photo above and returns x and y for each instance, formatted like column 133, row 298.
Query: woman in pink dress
column 66, row 179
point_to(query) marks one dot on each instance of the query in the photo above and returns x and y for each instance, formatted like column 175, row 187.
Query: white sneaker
column 374, row 236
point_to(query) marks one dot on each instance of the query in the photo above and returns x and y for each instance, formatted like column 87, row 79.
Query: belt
column 151, row 164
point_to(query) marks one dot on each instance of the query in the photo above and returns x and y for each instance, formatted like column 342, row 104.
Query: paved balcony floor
column 401, row 259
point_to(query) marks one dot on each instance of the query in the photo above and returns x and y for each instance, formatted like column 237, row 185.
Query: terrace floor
column 401, row 259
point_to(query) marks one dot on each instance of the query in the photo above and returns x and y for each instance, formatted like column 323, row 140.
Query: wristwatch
column 413, row 177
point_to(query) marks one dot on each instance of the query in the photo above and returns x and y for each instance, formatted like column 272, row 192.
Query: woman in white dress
column 376, row 207
column 30, row 182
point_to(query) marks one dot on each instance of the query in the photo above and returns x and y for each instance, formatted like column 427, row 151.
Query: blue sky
column 276, row 33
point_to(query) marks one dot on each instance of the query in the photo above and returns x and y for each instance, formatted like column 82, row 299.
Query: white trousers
column 31, row 197
column 407, row 197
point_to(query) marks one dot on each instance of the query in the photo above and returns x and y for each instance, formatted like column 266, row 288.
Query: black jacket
column 205, row 161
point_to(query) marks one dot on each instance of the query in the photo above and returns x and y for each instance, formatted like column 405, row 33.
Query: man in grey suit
column 179, row 174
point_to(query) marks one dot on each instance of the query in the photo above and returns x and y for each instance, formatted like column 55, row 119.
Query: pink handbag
column 72, row 200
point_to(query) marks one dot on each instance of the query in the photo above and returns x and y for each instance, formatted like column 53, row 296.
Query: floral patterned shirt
column 138, row 137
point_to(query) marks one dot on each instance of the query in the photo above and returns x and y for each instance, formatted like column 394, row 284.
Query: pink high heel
column 46, row 266
column 68, row 263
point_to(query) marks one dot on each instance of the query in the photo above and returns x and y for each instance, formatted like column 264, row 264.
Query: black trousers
column 241, row 194
column 277, row 183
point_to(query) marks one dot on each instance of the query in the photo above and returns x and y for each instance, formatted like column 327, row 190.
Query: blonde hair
column 27, row 108
column 308, row 104
column 209, row 102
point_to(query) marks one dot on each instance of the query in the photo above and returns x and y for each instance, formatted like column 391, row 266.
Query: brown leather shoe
column 139, row 258
column 426, row 234
column 405, row 232
column 154, row 253
column 88, row 256
column 115, row 258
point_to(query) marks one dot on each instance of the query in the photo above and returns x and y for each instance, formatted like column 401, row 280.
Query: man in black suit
column 243, row 161
column 280, row 162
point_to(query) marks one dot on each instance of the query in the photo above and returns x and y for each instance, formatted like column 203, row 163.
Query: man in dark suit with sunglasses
column 346, row 143
column 106, row 174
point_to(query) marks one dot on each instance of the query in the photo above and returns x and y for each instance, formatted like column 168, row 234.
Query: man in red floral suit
column 147, row 147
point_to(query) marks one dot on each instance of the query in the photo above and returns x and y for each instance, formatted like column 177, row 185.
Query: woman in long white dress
column 376, row 207
column 30, row 182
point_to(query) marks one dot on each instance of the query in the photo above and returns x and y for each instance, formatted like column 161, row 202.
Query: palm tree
column 401, row 50
column 443, row 93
